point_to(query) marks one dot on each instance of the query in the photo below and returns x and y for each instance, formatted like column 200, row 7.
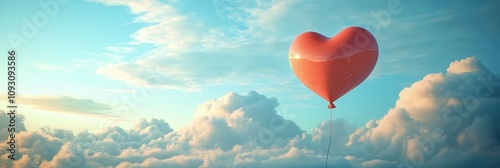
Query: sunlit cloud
column 437, row 119
column 66, row 104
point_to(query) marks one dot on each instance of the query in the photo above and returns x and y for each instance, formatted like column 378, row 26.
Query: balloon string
column 329, row 141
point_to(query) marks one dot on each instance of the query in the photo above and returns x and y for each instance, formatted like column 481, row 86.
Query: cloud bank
column 444, row 120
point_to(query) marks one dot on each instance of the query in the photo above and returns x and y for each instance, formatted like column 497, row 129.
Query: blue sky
column 202, row 51
column 96, row 64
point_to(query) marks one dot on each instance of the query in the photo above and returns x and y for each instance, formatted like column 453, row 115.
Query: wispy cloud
column 66, row 104
column 190, row 52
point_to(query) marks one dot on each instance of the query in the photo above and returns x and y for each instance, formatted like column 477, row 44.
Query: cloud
column 469, row 64
column 169, row 29
column 191, row 53
column 214, row 67
column 240, row 40
column 439, row 116
column 5, row 119
column 445, row 119
column 66, row 104
column 66, row 157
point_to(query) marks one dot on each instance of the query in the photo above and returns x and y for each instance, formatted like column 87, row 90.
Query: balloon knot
column 331, row 105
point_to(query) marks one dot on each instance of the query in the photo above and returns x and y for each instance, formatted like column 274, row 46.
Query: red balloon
column 331, row 67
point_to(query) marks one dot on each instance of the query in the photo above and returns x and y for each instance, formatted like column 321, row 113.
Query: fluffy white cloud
column 437, row 117
column 469, row 64
column 445, row 119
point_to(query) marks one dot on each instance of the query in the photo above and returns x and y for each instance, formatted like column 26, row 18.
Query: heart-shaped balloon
column 331, row 67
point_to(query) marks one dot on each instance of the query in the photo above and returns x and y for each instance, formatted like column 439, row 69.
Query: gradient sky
column 88, row 60
column 188, row 83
